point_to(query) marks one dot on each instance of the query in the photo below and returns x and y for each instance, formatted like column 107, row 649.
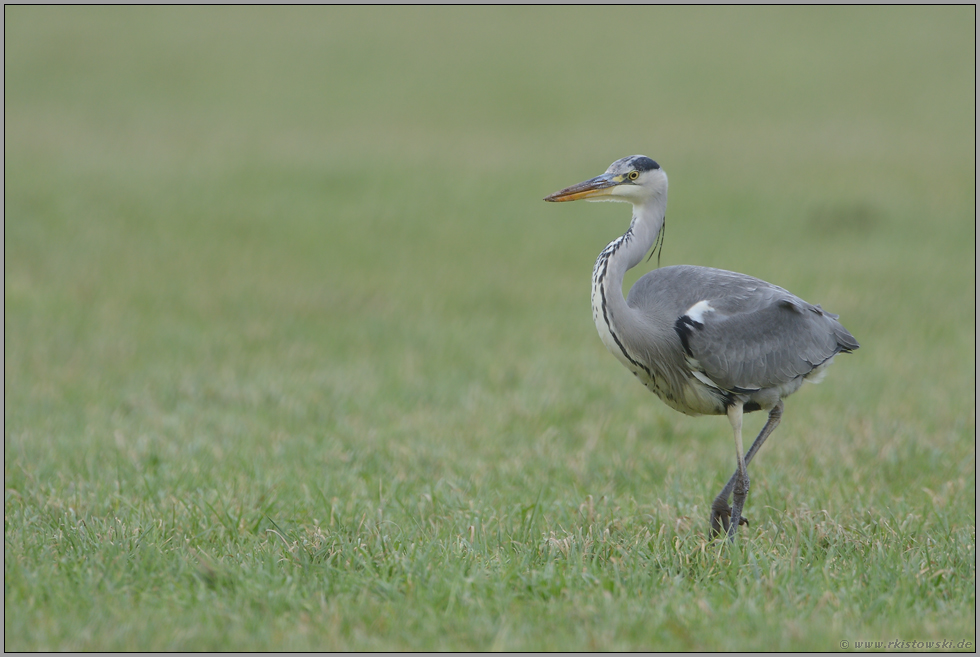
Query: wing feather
column 744, row 334
column 763, row 341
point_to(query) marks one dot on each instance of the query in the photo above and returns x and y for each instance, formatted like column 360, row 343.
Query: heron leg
column 741, row 489
column 720, row 510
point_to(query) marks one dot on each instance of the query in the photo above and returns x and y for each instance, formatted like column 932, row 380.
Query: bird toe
column 721, row 514
column 721, row 518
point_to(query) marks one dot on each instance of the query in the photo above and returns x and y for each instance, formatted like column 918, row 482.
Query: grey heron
column 706, row 341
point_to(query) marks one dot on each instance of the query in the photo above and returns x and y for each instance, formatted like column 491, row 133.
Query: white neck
column 610, row 312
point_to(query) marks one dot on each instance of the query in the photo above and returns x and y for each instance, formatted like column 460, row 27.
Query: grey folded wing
column 760, row 340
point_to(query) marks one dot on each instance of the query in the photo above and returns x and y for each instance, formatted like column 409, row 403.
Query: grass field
column 295, row 357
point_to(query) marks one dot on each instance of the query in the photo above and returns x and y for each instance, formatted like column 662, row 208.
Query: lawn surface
column 295, row 357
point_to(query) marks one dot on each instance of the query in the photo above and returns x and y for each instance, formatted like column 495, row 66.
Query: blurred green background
column 270, row 269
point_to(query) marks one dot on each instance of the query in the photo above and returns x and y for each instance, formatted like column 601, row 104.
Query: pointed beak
column 598, row 186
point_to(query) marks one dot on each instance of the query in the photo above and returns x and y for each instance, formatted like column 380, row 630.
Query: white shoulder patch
column 697, row 311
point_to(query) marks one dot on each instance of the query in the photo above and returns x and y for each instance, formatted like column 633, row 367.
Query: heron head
column 634, row 179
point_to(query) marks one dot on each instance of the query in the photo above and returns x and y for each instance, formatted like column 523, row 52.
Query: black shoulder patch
column 684, row 327
column 643, row 163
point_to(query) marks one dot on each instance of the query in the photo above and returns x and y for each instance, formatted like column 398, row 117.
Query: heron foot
column 721, row 518
column 738, row 502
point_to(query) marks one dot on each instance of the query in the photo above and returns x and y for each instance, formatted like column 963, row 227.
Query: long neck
column 609, row 309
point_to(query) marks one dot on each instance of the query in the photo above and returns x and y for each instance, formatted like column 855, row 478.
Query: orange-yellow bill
column 598, row 186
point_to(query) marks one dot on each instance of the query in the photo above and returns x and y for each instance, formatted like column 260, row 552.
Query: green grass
column 295, row 357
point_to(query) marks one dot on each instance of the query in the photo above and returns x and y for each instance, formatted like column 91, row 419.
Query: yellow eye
column 633, row 175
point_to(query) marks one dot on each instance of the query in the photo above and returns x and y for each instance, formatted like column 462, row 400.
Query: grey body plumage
column 706, row 341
